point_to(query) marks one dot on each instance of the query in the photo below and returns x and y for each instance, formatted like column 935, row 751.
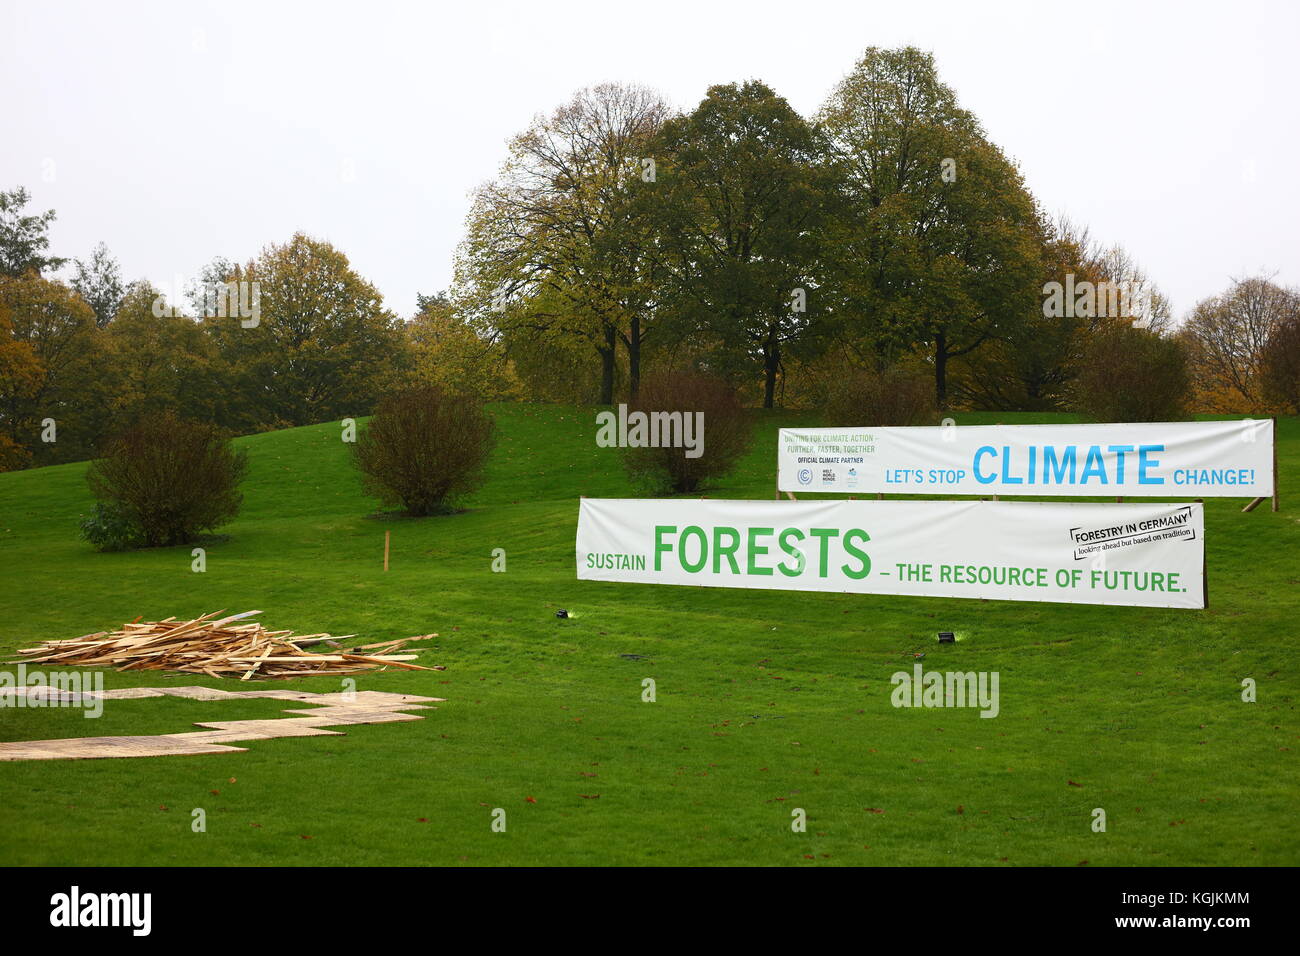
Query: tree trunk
column 941, row 370
column 608, row 353
column 634, row 356
column 771, row 362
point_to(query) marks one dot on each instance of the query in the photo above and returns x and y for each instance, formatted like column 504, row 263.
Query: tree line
column 885, row 239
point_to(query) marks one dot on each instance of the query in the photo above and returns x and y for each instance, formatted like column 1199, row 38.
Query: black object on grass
column 561, row 613
column 947, row 637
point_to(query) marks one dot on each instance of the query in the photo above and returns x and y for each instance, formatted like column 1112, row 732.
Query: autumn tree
column 318, row 346
column 154, row 360
column 1281, row 370
column 1229, row 337
column 164, row 480
column 553, row 364
column 552, row 245
column 20, row 378
column 450, row 353
column 50, row 350
column 425, row 449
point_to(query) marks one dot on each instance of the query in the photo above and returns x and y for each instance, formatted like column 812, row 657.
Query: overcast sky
column 176, row 132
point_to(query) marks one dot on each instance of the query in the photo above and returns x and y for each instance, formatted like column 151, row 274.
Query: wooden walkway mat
column 361, row 707
column 84, row 748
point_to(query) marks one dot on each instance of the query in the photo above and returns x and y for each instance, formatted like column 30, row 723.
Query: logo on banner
column 805, row 476
column 1092, row 541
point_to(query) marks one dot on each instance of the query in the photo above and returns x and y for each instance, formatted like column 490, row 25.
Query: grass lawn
column 767, row 701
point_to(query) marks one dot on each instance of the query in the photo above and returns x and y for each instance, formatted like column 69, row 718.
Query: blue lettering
column 1119, row 451
column 1095, row 465
column 1006, row 468
column 1054, row 469
column 1144, row 463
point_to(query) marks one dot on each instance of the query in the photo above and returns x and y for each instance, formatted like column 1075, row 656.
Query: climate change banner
column 1149, row 555
column 1232, row 459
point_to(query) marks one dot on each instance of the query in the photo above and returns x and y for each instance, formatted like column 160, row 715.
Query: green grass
column 766, row 701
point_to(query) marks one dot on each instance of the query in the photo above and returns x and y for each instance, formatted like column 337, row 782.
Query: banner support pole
column 1205, row 579
column 1275, row 488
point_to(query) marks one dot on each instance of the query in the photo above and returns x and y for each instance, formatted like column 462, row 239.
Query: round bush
column 725, row 433
column 163, row 481
column 424, row 448
column 1132, row 375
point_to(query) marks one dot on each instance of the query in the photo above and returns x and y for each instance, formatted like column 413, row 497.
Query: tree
column 1229, row 336
column 449, row 352
column 1031, row 365
column 99, row 282
column 553, row 364
column 738, row 212
column 939, row 241
column 54, row 343
column 320, row 345
column 1130, row 374
column 24, row 239
column 553, row 245
column 152, row 363
column 1281, row 370
column 207, row 292
column 20, row 378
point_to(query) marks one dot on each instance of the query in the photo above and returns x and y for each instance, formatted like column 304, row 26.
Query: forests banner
column 1230, row 459
column 1149, row 555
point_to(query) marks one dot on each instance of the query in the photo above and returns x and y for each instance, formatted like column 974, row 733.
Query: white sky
column 179, row 131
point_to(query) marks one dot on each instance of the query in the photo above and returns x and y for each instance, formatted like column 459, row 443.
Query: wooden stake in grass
column 386, row 537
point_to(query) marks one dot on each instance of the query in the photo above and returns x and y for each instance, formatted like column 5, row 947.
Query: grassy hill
column 766, row 701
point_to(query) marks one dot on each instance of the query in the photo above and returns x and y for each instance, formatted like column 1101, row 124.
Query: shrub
column 109, row 528
column 165, row 480
column 424, row 448
column 891, row 396
column 724, row 438
column 1132, row 375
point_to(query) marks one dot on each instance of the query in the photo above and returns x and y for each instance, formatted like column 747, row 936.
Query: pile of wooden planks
column 221, row 648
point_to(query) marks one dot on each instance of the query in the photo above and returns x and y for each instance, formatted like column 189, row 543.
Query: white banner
column 1147, row 555
column 1232, row 459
